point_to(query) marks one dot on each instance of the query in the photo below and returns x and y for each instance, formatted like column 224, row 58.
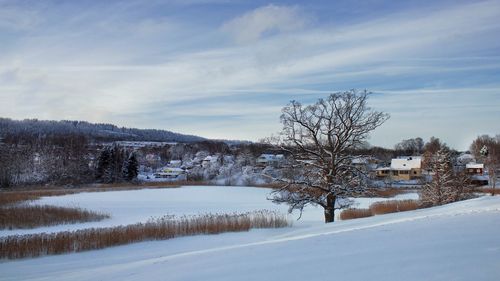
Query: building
column 270, row 159
column 402, row 168
column 171, row 173
column 476, row 173
column 474, row 169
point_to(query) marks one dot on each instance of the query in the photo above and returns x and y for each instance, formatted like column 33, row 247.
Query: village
column 233, row 168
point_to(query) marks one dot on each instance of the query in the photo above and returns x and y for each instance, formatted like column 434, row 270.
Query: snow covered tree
column 319, row 138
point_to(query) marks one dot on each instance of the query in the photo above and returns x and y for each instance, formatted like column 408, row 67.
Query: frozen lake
column 133, row 206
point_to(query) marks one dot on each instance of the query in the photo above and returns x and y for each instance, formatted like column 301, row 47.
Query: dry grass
column 488, row 190
column 350, row 214
column 33, row 245
column 26, row 216
column 393, row 206
column 379, row 208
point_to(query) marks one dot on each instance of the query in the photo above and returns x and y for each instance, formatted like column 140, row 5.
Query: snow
column 474, row 166
column 407, row 163
column 458, row 241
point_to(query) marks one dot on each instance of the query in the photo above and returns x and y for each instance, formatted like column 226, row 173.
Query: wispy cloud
column 116, row 62
column 252, row 25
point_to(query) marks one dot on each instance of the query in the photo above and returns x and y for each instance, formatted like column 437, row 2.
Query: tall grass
column 33, row 245
column 393, row 206
column 31, row 216
column 350, row 214
column 379, row 208
column 488, row 190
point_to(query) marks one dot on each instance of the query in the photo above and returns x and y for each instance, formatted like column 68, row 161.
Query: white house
column 270, row 159
column 175, row 163
column 171, row 173
column 209, row 160
column 403, row 168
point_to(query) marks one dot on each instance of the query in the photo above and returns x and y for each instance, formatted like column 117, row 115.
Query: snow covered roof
column 172, row 170
column 266, row 157
column 408, row 163
column 474, row 166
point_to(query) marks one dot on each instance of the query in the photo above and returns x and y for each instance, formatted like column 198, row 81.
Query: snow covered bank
column 454, row 242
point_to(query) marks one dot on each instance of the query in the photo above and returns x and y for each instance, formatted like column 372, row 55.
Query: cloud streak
column 144, row 59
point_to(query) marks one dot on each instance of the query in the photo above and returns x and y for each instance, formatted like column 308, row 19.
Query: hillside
column 452, row 242
column 98, row 132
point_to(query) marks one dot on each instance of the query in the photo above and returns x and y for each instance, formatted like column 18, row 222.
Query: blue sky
column 224, row 69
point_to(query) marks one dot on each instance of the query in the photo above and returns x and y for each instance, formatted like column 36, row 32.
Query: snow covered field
column 454, row 242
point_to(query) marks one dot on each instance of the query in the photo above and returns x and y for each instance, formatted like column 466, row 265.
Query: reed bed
column 488, row 190
column 350, row 214
column 379, row 208
column 168, row 227
column 31, row 216
column 393, row 206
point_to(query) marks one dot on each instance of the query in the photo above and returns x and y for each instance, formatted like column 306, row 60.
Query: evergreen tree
column 116, row 167
column 130, row 168
column 104, row 171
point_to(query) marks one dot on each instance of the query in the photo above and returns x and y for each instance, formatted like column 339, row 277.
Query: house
column 171, row 173
column 474, row 169
column 207, row 161
column 402, row 168
column 270, row 159
column 476, row 173
column 364, row 163
column 175, row 163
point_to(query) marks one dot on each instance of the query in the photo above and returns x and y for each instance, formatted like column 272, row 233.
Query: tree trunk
column 330, row 209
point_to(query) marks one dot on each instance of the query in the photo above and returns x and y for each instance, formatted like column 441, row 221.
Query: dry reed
column 33, row 245
column 349, row 214
column 393, row 206
column 28, row 216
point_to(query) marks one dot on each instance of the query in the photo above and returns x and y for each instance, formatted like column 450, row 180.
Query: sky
column 225, row 69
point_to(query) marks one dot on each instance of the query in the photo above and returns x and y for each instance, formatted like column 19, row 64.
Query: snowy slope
column 454, row 242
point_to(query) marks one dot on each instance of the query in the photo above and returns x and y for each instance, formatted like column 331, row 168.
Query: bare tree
column 319, row 137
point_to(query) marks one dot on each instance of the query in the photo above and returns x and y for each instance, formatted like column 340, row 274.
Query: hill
column 97, row 132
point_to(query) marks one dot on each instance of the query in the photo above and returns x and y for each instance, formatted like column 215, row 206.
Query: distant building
column 171, row 173
column 476, row 173
column 207, row 161
column 474, row 169
column 402, row 168
column 175, row 163
column 270, row 159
